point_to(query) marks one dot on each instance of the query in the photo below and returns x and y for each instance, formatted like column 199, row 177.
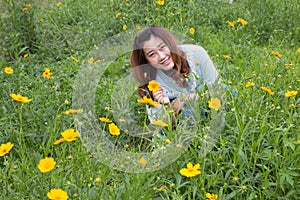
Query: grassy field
column 255, row 46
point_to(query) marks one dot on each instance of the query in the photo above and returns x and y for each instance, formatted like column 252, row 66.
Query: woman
column 180, row 70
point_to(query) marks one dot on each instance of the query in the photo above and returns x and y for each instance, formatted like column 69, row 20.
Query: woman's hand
column 161, row 96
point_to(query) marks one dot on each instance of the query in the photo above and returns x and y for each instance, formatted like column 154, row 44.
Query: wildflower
column 57, row 194
column 20, row 98
column 298, row 141
column 25, row 55
column 268, row 90
column 242, row 21
column 137, row 27
column 148, row 101
column 159, row 123
column 46, row 164
column 231, row 23
column 8, row 70
column 298, row 50
column 59, row 4
column 24, row 9
column 97, row 180
column 250, row 84
column 28, row 5
column 73, row 111
column 214, row 103
column 161, row 2
column 124, row 27
column 191, row 170
column 143, row 161
column 104, row 119
column 113, row 129
column 291, row 93
column 59, row 141
column 153, row 86
column 74, row 59
column 91, row 60
column 276, row 54
column 47, row 73
column 70, row 135
column 196, row 62
column 192, row 31
column 226, row 56
column 211, row 196
column 118, row 15
column 168, row 141
column 5, row 148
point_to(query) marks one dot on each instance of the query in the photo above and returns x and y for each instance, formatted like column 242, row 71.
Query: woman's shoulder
column 194, row 51
column 191, row 47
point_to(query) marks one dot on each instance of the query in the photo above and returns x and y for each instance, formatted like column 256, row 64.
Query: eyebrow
column 159, row 45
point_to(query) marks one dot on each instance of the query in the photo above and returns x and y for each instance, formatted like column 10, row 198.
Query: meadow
column 255, row 46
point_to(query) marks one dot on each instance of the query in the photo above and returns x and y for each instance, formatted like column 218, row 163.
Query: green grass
column 256, row 155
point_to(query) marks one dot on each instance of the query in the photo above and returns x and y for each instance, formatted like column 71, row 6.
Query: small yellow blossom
column 73, row 111
column 59, row 4
column 113, row 129
column 28, row 5
column 70, row 135
column 57, row 194
column 46, row 164
column 161, row 2
column 137, row 27
column 211, row 196
column 97, row 180
column 298, row 50
column 277, row 54
column 192, row 31
column 214, row 103
column 291, row 93
column 242, row 21
column 148, row 101
column 8, row 70
column 226, row 56
column 153, row 86
column 47, row 73
column 159, row 123
column 25, row 55
column 268, row 90
column 230, row 23
column 143, row 161
column 104, row 119
column 118, row 15
column 5, row 148
column 20, row 98
column 24, row 9
column 124, row 27
column 191, row 170
column 74, row 59
column 250, row 84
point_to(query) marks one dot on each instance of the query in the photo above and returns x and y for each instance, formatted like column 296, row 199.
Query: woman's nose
column 161, row 55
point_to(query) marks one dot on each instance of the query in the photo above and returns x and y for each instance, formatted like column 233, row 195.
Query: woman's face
column 158, row 54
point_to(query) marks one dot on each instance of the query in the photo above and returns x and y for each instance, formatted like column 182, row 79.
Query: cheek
column 152, row 60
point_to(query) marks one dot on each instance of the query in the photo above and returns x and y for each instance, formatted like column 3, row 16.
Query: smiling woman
column 180, row 70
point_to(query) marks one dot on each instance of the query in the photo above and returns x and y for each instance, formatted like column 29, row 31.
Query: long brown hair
column 144, row 72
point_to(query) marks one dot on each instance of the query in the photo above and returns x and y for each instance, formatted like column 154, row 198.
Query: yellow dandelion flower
column 291, row 93
column 226, row 56
column 143, row 161
column 250, row 84
column 70, row 135
column 242, row 21
column 97, row 180
column 268, row 90
column 20, row 98
column 159, row 123
column 124, row 27
column 25, row 55
column 24, row 9
column 118, row 15
column 59, row 4
column 57, row 194
column 59, row 141
column 191, row 170
column 46, row 164
column 230, row 23
column 214, row 103
column 148, row 101
column 28, row 5
column 277, row 54
column 8, row 70
column 47, row 73
column 5, row 148
column 211, row 196
column 113, row 129
column 74, row 59
column 137, row 27
column 73, row 111
column 298, row 50
column 161, row 2
column 192, row 31
column 104, row 119
column 153, row 86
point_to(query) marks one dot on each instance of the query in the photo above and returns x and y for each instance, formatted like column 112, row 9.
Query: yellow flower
column 20, row 98
column 8, row 70
column 137, row 27
column 59, row 4
column 250, row 84
column 59, row 141
column 148, row 101
column 26, row 55
column 5, row 148
column 57, row 194
column 143, row 161
column 214, row 103
column 74, row 59
column 298, row 50
column 159, row 123
column 192, row 31
column 46, row 164
column 113, row 129
column 226, row 56
column 47, row 73
column 191, row 170
column 153, row 86
column 211, row 196
column 268, row 90
column 161, row 2
column 276, row 54
column 28, row 5
column 70, row 135
column 291, row 93
column 73, row 111
column 124, row 27
column 97, row 180
column 230, row 23
column 104, row 119
column 298, row 141
column 24, row 9
column 242, row 21
column 118, row 15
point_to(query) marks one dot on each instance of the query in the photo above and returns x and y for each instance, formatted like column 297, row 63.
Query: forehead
column 152, row 43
